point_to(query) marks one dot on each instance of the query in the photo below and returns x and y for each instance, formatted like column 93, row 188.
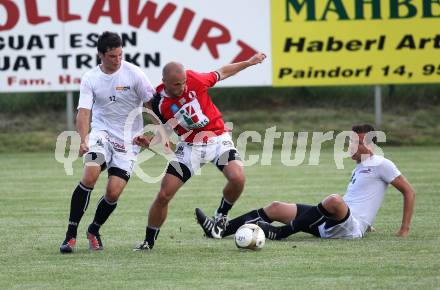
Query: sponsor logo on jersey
column 192, row 95
column 366, row 171
column 117, row 146
column 190, row 115
column 174, row 108
column 122, row 88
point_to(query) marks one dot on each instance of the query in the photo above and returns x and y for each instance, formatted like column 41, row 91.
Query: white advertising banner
column 47, row 45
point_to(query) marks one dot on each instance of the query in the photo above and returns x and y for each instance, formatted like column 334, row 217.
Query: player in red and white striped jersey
column 183, row 100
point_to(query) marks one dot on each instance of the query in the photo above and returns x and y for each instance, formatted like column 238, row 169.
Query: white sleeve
column 85, row 94
column 144, row 89
column 388, row 171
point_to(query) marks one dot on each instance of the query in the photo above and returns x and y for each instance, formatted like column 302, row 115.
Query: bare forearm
column 408, row 208
column 233, row 68
column 83, row 124
column 160, row 132
column 151, row 115
column 409, row 197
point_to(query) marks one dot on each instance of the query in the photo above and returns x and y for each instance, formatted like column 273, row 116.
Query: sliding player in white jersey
column 344, row 217
column 113, row 92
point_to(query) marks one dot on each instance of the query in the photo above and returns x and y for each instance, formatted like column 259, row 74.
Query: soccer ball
column 250, row 236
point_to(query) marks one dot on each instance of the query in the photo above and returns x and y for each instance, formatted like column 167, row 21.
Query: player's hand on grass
column 83, row 149
column 403, row 232
column 257, row 58
column 371, row 229
column 143, row 141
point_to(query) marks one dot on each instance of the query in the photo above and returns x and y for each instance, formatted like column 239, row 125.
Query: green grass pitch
column 34, row 203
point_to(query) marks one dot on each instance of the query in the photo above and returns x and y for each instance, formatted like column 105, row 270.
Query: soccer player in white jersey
column 112, row 91
column 346, row 217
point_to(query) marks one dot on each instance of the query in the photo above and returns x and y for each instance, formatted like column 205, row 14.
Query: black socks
column 78, row 206
column 224, row 207
column 312, row 217
column 249, row 217
column 103, row 210
column 151, row 234
column 306, row 221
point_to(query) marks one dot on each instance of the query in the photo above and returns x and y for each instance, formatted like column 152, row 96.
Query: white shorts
column 195, row 155
column 113, row 150
column 350, row 229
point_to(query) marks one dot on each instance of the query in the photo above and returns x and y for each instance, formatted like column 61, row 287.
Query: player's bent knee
column 89, row 181
column 333, row 199
column 164, row 197
column 274, row 205
column 237, row 179
column 90, row 177
column 335, row 205
column 112, row 195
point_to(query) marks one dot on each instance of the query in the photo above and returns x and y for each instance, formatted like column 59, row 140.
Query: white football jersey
column 113, row 98
column 366, row 190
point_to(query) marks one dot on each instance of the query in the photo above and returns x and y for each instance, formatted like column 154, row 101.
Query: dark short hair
column 365, row 128
column 108, row 41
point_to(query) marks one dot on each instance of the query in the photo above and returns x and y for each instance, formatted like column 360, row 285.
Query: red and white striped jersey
column 197, row 116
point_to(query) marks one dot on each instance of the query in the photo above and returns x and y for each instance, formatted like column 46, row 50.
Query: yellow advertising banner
column 342, row 42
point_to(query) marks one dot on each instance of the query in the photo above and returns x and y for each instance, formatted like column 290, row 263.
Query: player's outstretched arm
column 83, row 126
column 233, row 68
column 409, row 199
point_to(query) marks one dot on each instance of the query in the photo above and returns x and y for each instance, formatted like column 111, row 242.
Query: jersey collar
column 113, row 74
